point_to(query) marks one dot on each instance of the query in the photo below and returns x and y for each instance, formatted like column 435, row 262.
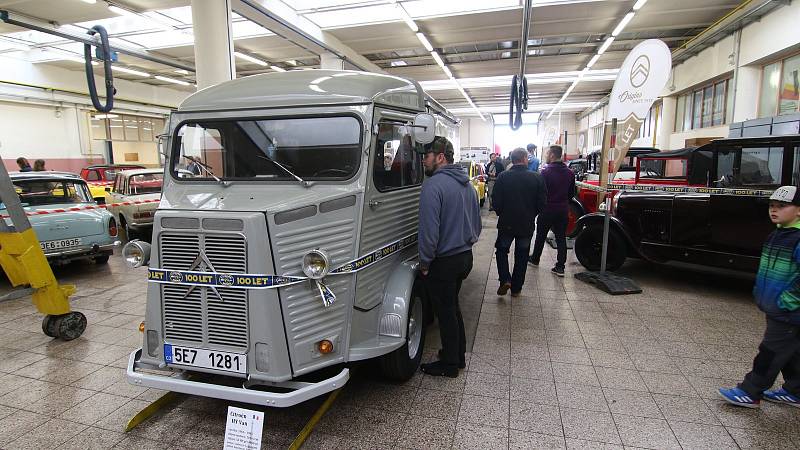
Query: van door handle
column 375, row 203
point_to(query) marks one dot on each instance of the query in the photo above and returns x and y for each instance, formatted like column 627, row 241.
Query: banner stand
column 640, row 81
column 607, row 281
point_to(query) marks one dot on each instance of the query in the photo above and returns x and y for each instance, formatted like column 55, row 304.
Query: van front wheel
column 402, row 364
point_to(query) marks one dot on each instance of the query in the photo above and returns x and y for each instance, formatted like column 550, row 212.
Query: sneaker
column 503, row 289
column 533, row 262
column 440, row 369
column 782, row 396
column 739, row 397
column 461, row 364
column 558, row 271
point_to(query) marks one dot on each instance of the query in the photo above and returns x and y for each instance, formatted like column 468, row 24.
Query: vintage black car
column 718, row 229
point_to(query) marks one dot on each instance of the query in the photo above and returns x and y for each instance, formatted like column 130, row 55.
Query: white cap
column 787, row 194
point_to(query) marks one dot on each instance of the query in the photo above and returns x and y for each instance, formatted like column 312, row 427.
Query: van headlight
column 136, row 253
column 316, row 264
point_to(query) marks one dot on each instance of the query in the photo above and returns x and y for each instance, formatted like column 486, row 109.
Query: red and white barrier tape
column 83, row 208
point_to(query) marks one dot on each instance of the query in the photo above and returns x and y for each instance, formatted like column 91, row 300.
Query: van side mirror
column 424, row 129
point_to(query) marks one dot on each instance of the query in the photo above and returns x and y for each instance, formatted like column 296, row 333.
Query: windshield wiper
column 207, row 169
column 304, row 182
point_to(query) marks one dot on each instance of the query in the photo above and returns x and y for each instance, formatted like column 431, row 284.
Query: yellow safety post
column 24, row 263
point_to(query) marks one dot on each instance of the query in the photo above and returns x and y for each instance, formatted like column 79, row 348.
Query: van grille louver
column 205, row 316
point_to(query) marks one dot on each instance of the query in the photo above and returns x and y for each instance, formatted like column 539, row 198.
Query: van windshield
column 318, row 148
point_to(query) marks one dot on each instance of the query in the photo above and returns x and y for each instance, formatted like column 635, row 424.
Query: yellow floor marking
column 306, row 431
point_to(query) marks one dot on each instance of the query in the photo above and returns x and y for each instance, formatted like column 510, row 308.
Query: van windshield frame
column 318, row 148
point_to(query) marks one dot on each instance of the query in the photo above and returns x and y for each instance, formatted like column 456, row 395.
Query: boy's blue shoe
column 781, row 396
column 738, row 397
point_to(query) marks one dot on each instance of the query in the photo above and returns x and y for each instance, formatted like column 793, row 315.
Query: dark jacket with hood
column 449, row 215
column 519, row 195
column 777, row 290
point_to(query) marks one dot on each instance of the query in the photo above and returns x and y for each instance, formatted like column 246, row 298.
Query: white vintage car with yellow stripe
column 133, row 200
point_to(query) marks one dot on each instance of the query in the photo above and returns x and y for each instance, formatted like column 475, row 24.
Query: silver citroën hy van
column 293, row 246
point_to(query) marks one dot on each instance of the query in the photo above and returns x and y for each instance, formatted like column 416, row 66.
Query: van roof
column 308, row 87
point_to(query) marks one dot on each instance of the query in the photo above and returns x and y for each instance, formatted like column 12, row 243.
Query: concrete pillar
column 667, row 124
column 330, row 61
column 213, row 42
column 747, row 86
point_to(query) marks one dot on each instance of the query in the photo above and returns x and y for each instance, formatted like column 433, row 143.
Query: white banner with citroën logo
column 641, row 79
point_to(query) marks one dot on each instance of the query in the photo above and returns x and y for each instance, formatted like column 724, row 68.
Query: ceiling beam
column 284, row 21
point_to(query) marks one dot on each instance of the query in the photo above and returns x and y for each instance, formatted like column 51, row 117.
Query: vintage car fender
column 396, row 301
column 598, row 218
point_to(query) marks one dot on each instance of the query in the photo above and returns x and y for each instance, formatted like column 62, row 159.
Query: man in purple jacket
column 560, row 182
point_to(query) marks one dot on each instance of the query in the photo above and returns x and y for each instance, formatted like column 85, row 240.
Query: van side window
column 397, row 164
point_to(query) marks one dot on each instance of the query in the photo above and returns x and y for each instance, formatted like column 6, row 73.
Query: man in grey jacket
column 449, row 225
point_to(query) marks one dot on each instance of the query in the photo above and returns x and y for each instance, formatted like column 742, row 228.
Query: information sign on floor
column 243, row 429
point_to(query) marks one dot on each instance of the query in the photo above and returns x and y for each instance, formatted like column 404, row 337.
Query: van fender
column 397, row 300
column 598, row 218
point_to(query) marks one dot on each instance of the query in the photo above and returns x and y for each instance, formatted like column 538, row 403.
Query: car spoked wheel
column 65, row 326
column 589, row 248
column 402, row 364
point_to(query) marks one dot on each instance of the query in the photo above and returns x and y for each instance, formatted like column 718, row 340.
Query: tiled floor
column 564, row 366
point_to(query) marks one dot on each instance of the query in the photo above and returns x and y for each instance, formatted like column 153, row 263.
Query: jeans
column 443, row 284
column 522, row 244
column 558, row 223
column 779, row 352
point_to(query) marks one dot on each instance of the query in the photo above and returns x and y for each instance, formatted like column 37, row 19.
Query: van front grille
column 200, row 315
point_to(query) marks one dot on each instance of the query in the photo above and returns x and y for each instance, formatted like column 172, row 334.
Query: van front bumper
column 179, row 382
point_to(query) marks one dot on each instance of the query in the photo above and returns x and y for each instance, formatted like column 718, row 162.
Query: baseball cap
column 439, row 145
column 786, row 194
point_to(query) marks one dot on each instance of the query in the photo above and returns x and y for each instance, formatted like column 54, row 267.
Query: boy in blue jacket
column 777, row 293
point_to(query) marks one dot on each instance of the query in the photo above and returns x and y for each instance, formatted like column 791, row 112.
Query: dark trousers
column 522, row 245
column 558, row 223
column 443, row 283
column 779, row 352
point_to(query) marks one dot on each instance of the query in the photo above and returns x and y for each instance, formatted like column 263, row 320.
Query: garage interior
column 564, row 365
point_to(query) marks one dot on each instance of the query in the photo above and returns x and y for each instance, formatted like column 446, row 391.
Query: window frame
column 175, row 150
column 689, row 105
column 776, row 110
column 374, row 160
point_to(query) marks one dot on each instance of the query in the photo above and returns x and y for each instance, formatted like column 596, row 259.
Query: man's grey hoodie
column 449, row 215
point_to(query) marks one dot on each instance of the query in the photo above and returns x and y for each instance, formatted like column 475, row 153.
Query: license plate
column 63, row 243
column 208, row 359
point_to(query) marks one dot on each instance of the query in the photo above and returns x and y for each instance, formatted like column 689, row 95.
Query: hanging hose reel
column 519, row 85
column 105, row 54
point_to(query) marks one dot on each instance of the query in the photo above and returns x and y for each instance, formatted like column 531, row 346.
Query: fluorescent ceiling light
column 399, row 63
column 105, row 116
column 91, row 2
column 277, row 68
column 605, row 45
column 535, row 78
column 438, row 59
column 172, row 80
column 250, row 58
column 447, row 71
column 638, row 5
column 623, row 23
column 592, row 61
column 122, row 12
column 131, row 71
column 425, row 42
column 406, row 18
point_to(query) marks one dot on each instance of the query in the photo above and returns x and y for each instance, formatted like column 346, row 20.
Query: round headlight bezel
column 316, row 256
column 136, row 253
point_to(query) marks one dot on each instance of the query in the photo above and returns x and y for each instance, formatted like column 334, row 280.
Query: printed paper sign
column 243, row 429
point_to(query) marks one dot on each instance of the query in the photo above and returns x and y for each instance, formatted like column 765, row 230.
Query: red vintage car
column 586, row 201
column 100, row 177
column 670, row 168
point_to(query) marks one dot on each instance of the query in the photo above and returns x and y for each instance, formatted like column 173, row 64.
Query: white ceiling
column 475, row 38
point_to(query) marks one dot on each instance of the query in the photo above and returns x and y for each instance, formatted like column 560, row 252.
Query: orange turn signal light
column 141, row 327
column 325, row 346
